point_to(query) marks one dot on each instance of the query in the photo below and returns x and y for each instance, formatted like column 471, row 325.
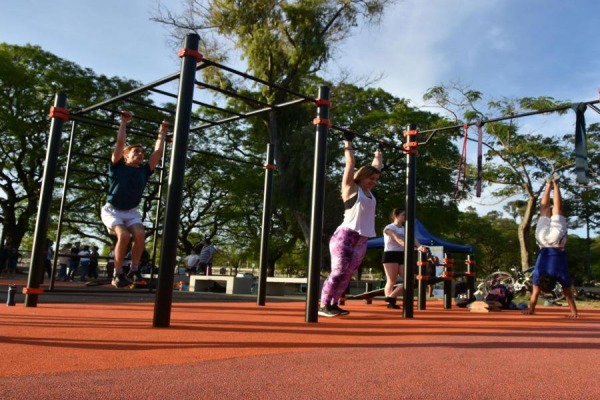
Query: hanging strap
column 462, row 165
column 479, row 125
column 581, row 158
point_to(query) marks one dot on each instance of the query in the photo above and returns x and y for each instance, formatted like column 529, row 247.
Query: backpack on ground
column 500, row 294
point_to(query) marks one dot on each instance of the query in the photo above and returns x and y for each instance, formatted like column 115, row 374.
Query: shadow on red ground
column 236, row 349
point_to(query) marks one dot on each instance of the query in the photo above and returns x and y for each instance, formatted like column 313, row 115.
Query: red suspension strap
column 479, row 125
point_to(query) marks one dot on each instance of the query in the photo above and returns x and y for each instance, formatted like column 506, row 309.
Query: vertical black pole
column 63, row 202
column 448, row 276
column 266, row 227
column 170, row 231
column 39, row 249
column 318, row 204
column 409, row 234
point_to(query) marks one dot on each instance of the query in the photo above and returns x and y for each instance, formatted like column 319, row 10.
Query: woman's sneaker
column 340, row 310
column 329, row 311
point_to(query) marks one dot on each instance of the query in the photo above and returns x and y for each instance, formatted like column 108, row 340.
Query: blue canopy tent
column 427, row 239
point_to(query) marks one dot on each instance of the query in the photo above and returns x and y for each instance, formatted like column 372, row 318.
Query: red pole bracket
column 272, row 167
column 321, row 121
column 59, row 112
column 191, row 53
column 322, row 102
column 27, row 290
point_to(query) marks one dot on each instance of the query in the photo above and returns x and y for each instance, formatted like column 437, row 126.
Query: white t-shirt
column 552, row 232
column 389, row 244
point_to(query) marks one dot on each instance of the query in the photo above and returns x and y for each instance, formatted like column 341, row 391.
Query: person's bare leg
column 123, row 238
column 556, row 200
column 545, row 202
column 139, row 241
column 391, row 274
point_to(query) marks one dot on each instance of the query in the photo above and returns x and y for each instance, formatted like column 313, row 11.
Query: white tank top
column 361, row 216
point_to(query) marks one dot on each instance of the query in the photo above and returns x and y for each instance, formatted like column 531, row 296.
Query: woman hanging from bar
column 348, row 244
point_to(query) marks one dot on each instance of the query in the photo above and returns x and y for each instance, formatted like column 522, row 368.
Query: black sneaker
column 328, row 311
column 120, row 281
column 136, row 278
column 393, row 306
column 340, row 310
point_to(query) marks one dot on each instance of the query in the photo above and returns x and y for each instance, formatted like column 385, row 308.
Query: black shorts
column 393, row 257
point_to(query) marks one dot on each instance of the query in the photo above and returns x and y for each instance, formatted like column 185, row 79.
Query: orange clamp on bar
column 413, row 132
column 423, row 277
column 192, row 53
column 470, row 262
column 422, row 263
column 59, row 112
column 470, row 274
column 410, row 147
column 321, row 121
column 272, row 167
column 447, row 274
column 27, row 290
column 322, row 102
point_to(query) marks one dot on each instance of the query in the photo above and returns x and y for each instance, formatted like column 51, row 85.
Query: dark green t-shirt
column 127, row 184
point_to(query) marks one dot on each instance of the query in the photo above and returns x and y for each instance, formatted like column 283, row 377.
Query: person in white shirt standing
column 393, row 255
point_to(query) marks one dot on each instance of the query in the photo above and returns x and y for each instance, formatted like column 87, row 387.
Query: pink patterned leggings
column 347, row 249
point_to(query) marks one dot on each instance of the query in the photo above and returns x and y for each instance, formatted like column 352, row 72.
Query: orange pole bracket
column 272, row 167
column 321, row 121
column 423, row 277
column 413, row 132
column 27, row 290
column 410, row 147
column 59, row 112
column 322, row 102
column 192, row 53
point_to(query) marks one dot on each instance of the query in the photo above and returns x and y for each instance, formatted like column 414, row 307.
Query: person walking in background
column 63, row 261
column 205, row 258
column 84, row 262
column 110, row 262
column 49, row 258
column 348, row 244
column 128, row 175
column 73, row 261
column 551, row 235
column 393, row 255
column 93, row 272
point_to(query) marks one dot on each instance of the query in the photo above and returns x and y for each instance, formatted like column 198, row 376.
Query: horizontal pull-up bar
column 112, row 125
column 262, row 81
column 249, row 114
column 508, row 117
column 141, row 89
column 366, row 137
column 232, row 93
column 199, row 103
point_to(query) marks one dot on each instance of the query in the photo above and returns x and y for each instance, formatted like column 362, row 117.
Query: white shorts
column 112, row 217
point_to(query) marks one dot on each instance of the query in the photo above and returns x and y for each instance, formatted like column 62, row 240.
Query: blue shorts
column 552, row 261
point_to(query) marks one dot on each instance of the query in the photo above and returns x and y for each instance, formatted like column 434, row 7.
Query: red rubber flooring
column 237, row 350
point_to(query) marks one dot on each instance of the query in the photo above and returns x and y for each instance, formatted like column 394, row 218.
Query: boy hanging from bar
column 128, row 175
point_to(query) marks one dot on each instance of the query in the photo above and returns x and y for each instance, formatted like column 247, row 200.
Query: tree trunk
column 524, row 231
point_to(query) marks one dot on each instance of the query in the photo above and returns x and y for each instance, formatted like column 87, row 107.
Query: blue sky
column 503, row 48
